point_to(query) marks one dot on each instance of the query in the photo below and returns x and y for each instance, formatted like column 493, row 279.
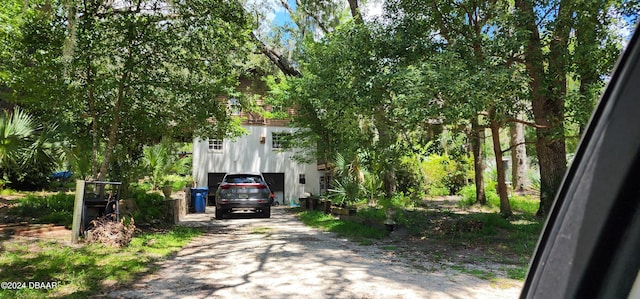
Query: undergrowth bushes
column 56, row 208
column 150, row 206
column 520, row 203
column 445, row 176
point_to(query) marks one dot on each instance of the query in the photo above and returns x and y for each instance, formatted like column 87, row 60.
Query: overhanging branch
column 524, row 122
column 281, row 62
column 517, row 144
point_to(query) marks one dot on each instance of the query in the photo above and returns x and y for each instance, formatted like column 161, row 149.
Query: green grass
column 522, row 204
column 451, row 232
column 505, row 241
column 371, row 213
column 518, row 273
column 482, row 274
column 519, row 233
column 85, row 270
column 508, row 241
column 349, row 229
column 8, row 191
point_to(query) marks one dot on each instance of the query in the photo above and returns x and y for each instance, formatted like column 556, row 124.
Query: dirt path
column 279, row 257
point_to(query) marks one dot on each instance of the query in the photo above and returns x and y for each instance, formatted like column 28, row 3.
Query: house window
column 234, row 106
column 276, row 108
column 215, row 145
column 302, row 179
column 279, row 139
column 325, row 183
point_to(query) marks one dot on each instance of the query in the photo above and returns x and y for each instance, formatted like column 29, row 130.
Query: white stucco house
column 260, row 150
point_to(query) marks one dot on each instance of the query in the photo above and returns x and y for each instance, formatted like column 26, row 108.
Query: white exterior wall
column 246, row 153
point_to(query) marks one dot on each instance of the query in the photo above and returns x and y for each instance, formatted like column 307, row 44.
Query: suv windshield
column 244, row 179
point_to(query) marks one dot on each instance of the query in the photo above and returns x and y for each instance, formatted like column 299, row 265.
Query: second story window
column 276, row 109
column 279, row 139
column 215, row 145
column 234, row 106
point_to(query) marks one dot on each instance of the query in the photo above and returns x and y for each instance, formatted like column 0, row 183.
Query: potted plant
column 167, row 188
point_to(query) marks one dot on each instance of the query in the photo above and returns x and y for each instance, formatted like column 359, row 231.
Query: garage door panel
column 275, row 179
column 214, row 178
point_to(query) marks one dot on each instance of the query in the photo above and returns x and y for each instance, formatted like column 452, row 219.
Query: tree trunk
column 505, row 207
column 386, row 140
column 550, row 111
column 113, row 131
column 547, row 98
column 519, row 179
column 94, row 121
column 355, row 11
column 89, row 80
column 552, row 160
column 389, row 181
column 477, row 136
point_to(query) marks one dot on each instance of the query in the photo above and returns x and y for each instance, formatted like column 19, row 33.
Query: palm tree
column 348, row 180
column 26, row 148
column 42, row 152
column 16, row 133
column 160, row 161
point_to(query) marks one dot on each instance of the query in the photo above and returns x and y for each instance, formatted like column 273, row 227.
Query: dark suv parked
column 243, row 191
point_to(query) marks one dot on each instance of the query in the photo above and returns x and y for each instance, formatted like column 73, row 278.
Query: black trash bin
column 198, row 202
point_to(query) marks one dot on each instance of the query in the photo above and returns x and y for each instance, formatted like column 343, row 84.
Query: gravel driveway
column 245, row 257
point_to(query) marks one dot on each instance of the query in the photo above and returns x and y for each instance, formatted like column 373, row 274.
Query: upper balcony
column 261, row 113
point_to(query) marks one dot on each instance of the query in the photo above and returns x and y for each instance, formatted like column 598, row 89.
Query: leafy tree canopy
column 126, row 73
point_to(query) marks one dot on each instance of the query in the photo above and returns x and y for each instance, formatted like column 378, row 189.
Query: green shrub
column 371, row 213
column 177, row 182
column 445, row 176
column 150, row 206
column 346, row 190
column 518, row 203
column 438, row 190
column 399, row 200
column 409, row 176
column 468, row 194
column 56, row 208
column 144, row 186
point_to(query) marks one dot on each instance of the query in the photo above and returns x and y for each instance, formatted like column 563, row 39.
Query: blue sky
column 282, row 16
column 278, row 16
